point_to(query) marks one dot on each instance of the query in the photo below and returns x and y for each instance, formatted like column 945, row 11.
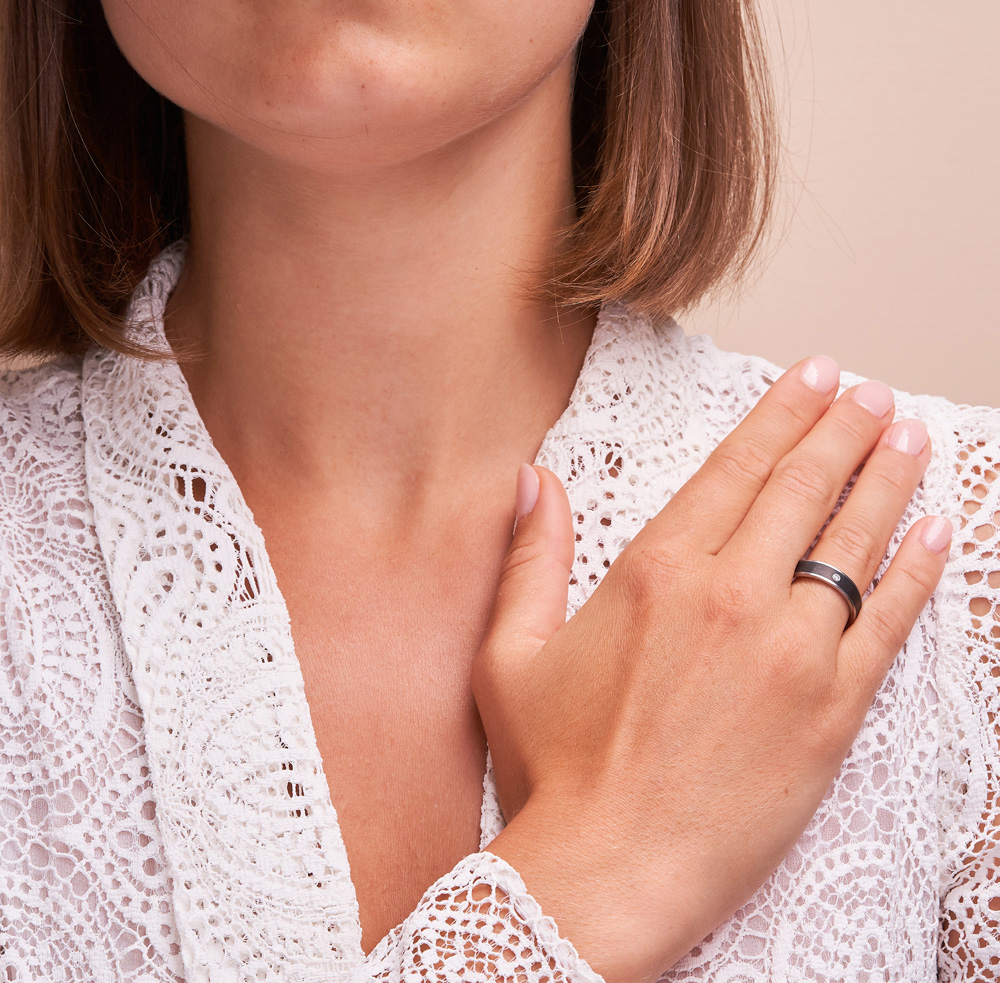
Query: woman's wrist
column 592, row 879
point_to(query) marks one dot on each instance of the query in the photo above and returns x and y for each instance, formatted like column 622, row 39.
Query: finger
column 805, row 485
column 709, row 508
column 871, row 644
column 858, row 536
column 531, row 596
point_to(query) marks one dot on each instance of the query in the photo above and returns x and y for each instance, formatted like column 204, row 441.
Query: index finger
column 709, row 508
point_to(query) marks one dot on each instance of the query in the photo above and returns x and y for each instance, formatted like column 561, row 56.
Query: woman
column 387, row 317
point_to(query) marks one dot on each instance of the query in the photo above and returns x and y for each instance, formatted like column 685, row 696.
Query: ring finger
column 856, row 539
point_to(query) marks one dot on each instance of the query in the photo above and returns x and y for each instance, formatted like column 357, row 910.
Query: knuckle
column 730, row 603
column 919, row 579
column 805, row 480
column 649, row 580
column 854, row 541
column 653, row 565
column 888, row 626
column 784, row 656
column 793, row 663
column 892, row 477
column 519, row 556
column 852, row 431
column 793, row 405
column 741, row 460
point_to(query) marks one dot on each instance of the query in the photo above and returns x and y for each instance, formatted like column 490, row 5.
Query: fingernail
column 908, row 436
column 527, row 490
column 936, row 534
column 876, row 397
column 821, row 373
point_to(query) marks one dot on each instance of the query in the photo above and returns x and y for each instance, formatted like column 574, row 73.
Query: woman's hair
column 674, row 154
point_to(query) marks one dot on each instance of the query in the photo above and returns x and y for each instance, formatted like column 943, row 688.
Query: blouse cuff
column 477, row 924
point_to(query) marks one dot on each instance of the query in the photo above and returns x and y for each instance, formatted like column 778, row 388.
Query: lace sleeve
column 477, row 923
column 969, row 671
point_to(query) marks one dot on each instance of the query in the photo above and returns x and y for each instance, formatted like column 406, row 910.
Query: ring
column 836, row 579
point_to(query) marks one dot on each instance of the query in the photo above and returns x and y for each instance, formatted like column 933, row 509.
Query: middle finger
column 807, row 482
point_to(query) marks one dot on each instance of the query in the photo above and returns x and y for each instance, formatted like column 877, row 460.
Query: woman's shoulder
column 41, row 443
column 757, row 373
column 667, row 353
column 676, row 377
column 37, row 401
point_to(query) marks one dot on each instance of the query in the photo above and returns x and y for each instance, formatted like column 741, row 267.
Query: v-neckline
column 173, row 485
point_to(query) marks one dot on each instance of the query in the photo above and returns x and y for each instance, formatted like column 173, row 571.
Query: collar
column 259, row 873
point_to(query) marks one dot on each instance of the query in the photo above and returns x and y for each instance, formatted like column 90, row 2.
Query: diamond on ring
column 834, row 578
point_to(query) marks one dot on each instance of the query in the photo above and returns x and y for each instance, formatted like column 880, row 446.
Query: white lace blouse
column 163, row 810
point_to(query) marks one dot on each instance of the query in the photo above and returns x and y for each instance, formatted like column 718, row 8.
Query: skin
column 370, row 185
column 690, row 752
column 374, row 188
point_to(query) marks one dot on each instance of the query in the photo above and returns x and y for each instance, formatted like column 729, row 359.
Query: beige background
column 887, row 248
column 887, row 242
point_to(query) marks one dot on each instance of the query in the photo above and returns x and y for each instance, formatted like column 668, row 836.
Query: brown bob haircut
column 674, row 154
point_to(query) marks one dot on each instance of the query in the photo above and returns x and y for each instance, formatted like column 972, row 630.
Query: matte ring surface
column 834, row 578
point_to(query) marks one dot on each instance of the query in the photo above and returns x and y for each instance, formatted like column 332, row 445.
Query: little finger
column 870, row 646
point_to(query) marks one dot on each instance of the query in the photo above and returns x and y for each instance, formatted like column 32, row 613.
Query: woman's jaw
column 345, row 87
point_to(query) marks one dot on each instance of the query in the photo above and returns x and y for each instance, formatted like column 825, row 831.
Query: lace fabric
column 969, row 618
column 163, row 810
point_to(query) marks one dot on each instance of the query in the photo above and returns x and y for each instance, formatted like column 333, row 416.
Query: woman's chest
column 386, row 659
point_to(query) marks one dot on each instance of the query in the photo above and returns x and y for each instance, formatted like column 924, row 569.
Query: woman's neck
column 374, row 332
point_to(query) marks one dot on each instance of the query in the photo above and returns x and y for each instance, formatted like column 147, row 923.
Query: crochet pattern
column 164, row 815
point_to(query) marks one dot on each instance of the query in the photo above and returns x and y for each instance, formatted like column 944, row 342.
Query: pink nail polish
column 936, row 534
column 908, row 436
column 876, row 397
column 527, row 490
column 821, row 373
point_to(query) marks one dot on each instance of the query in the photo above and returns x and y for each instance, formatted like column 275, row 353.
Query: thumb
column 534, row 578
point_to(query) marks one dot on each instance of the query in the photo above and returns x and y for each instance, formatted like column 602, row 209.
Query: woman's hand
column 658, row 754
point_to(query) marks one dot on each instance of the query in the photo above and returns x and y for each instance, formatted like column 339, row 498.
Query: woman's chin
column 344, row 89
